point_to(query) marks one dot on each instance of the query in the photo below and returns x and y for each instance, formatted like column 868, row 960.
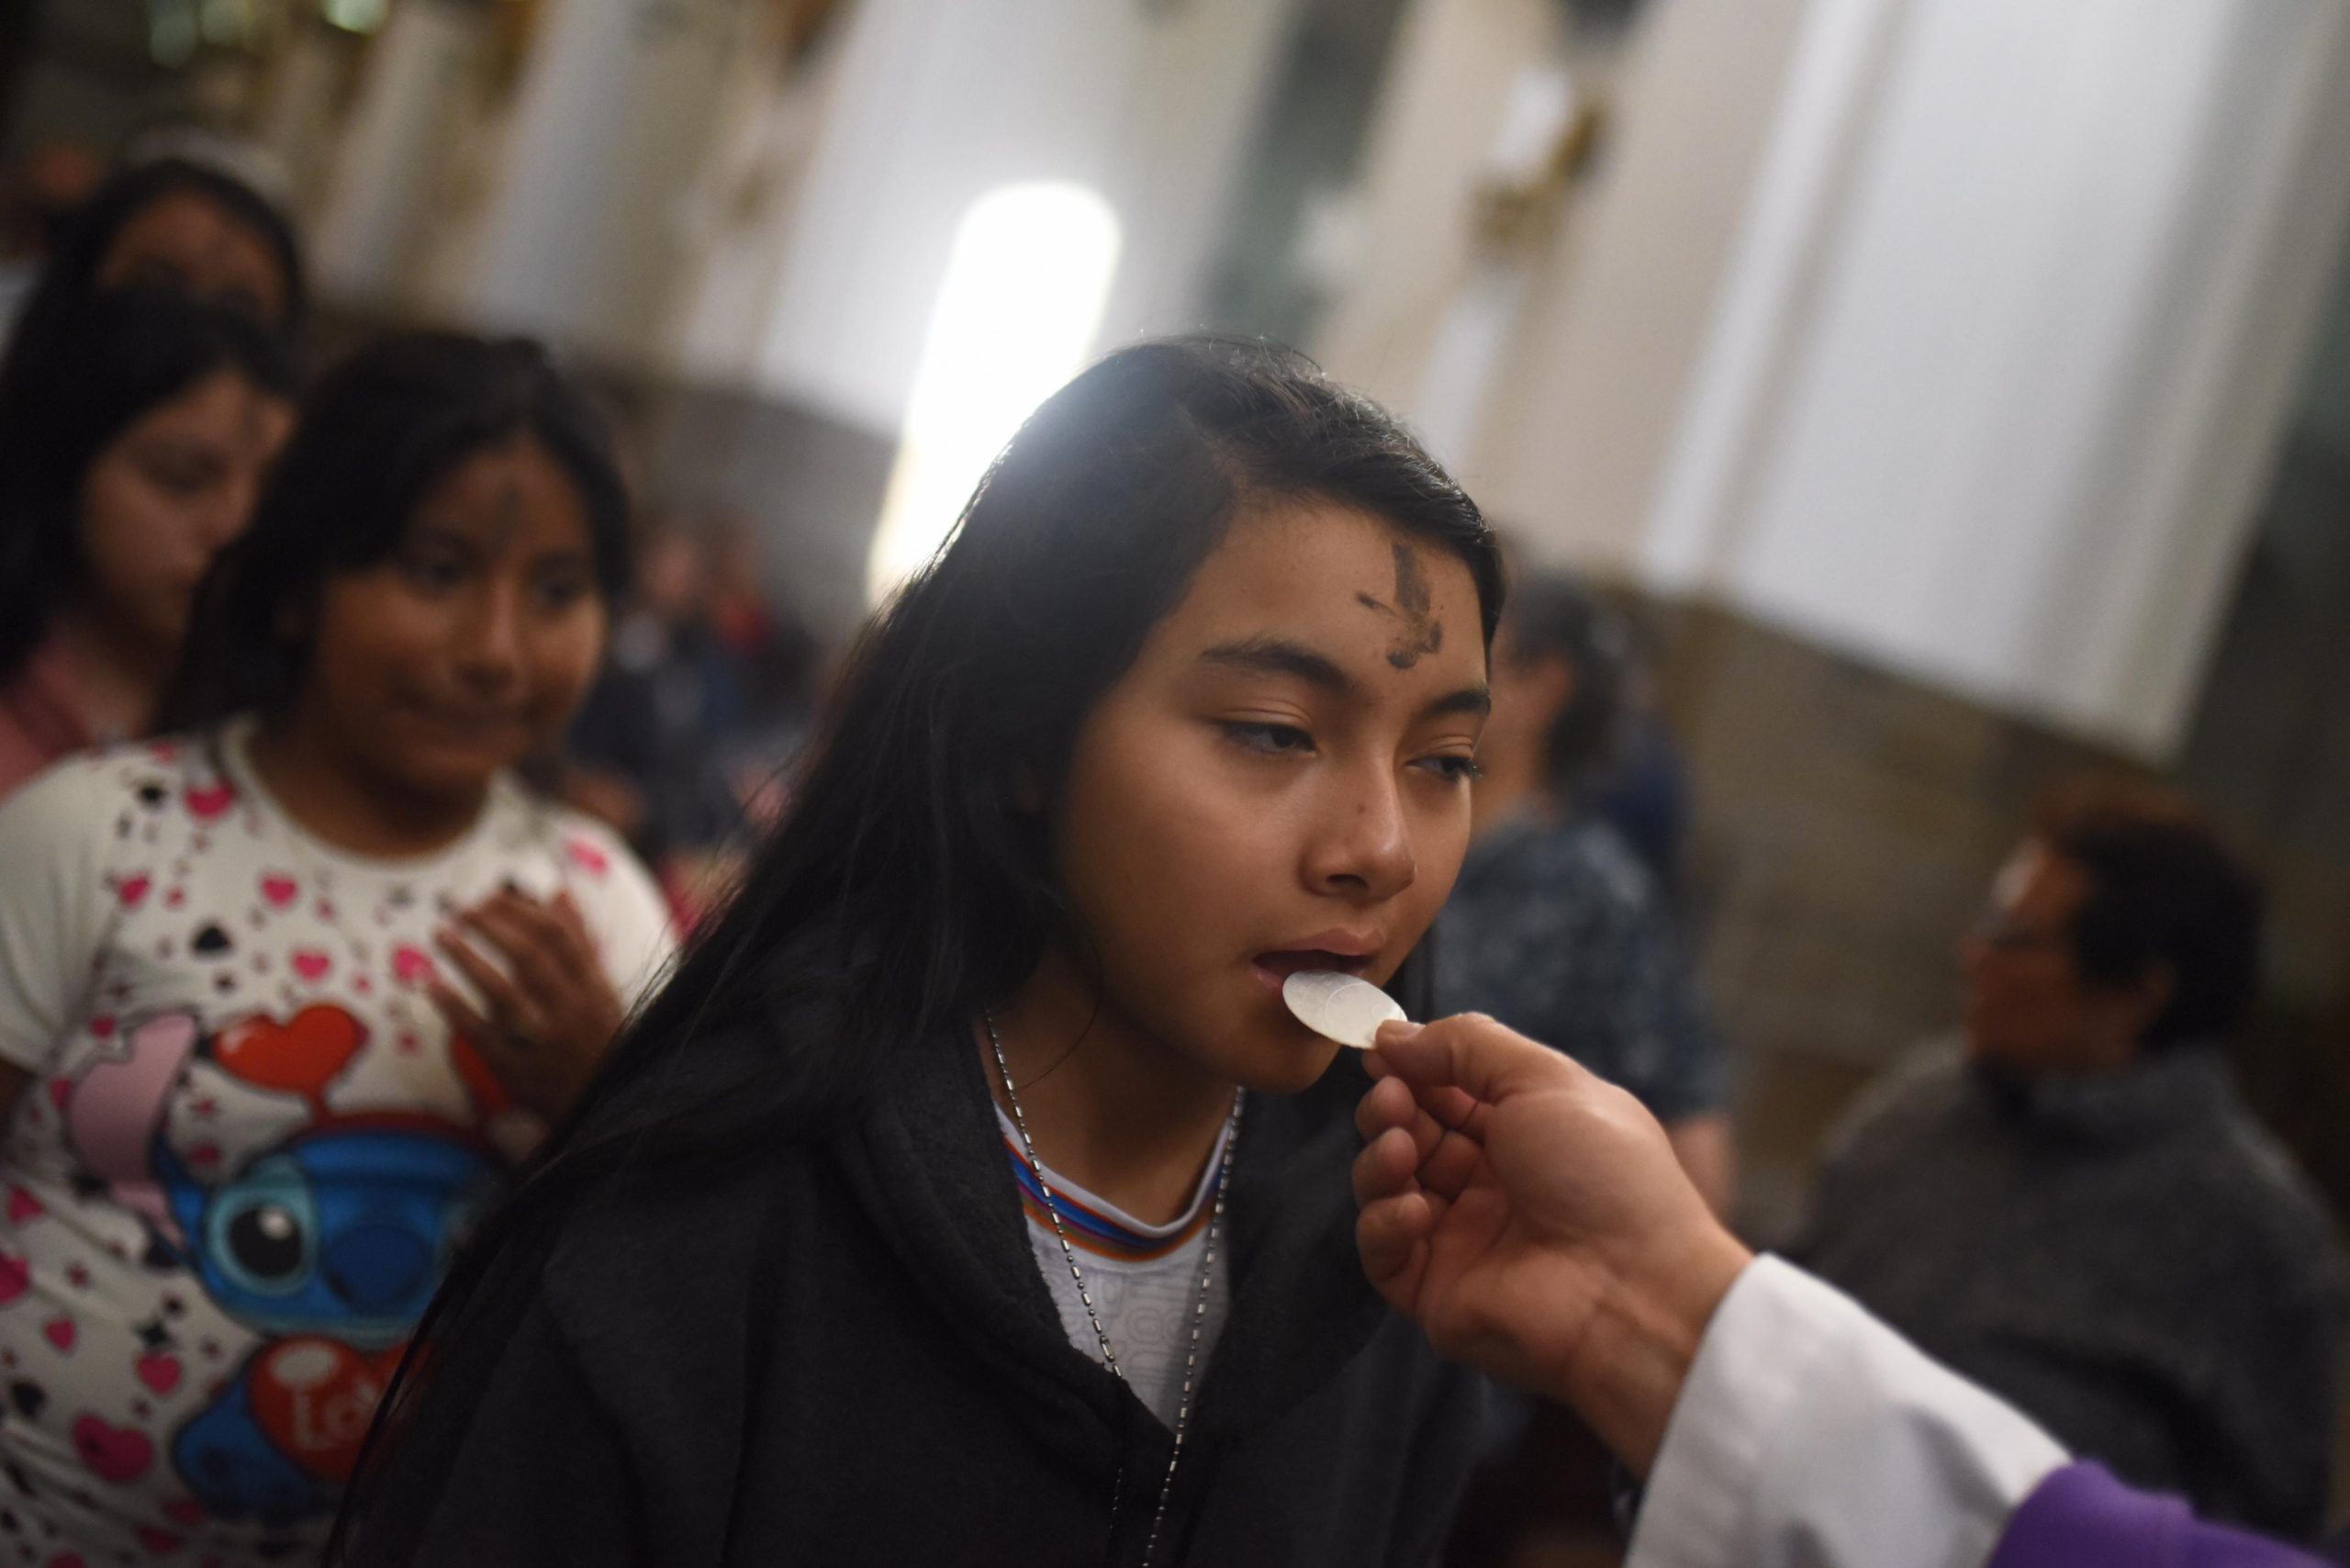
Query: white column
column 1579, row 423
column 386, row 179
column 1431, row 144
column 2032, row 356
column 584, row 233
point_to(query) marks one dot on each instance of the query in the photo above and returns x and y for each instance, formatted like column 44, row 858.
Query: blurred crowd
column 206, row 616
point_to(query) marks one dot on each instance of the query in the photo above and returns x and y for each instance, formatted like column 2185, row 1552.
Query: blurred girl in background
column 134, row 453
column 282, row 995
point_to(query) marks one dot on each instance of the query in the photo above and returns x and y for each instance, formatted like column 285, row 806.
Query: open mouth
column 1271, row 968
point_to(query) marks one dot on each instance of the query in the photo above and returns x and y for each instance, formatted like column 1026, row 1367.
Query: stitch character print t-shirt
column 249, row 1143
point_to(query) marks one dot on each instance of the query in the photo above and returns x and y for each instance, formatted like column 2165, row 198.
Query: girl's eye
column 1272, row 740
column 433, row 573
column 1454, row 769
column 560, row 588
column 180, row 475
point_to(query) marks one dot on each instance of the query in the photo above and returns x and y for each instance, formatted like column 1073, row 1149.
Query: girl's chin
column 1288, row 1065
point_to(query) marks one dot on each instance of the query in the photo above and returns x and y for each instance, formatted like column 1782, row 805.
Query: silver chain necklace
column 1199, row 1294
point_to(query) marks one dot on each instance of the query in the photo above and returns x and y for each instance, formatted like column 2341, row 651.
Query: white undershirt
column 1146, row 1305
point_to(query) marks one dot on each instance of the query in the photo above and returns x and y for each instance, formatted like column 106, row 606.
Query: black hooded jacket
column 845, row 1354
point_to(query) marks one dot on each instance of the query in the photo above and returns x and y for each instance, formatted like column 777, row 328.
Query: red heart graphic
column 312, row 964
column 116, row 1453
column 60, row 1333
column 132, row 889
column 301, row 1057
column 160, row 1370
column 314, row 1399
column 61, row 1089
column 102, row 1026
column 204, row 1154
column 279, row 891
column 185, row 1511
column 158, row 1542
column 413, row 965
column 15, row 1276
column 23, row 1205
column 210, row 801
column 588, row 855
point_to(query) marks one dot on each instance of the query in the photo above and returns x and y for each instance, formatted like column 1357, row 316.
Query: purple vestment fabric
column 2082, row 1517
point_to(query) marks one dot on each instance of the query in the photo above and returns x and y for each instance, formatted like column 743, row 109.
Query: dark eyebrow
column 1473, row 700
column 1278, row 656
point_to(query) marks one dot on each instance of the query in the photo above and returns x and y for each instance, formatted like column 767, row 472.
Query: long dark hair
column 111, row 360
column 380, row 430
column 2168, row 895
column 909, row 884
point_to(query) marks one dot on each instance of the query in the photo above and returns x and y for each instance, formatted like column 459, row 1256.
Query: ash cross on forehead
column 1418, row 632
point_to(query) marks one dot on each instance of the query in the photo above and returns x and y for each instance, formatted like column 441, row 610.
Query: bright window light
column 1026, row 281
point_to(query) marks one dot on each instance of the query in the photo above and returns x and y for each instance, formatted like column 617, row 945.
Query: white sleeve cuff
column 1809, row 1435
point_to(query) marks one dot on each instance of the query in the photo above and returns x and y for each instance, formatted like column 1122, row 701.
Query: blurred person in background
column 1560, row 929
column 37, row 197
column 137, row 437
column 176, row 225
column 1556, row 926
column 1644, row 790
column 2076, row 1210
column 644, row 752
column 282, row 996
column 774, row 657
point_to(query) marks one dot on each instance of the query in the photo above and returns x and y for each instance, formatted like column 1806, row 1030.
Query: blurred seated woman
column 282, row 995
column 155, row 420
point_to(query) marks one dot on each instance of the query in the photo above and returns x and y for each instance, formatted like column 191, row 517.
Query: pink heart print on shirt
column 114, row 1453
column 585, row 855
column 131, row 891
column 160, row 1370
column 16, row 1277
column 312, row 964
column 413, row 965
column 60, row 1332
column 279, row 889
column 23, row 1206
column 208, row 803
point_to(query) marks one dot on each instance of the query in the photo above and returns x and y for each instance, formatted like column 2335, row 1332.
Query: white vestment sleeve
column 1809, row 1435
